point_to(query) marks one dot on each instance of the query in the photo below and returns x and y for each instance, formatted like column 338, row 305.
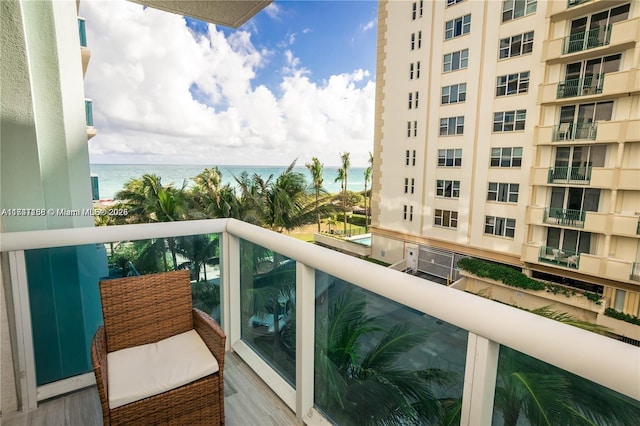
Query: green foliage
column 205, row 295
column 514, row 278
column 501, row 273
column 376, row 261
column 354, row 219
column 632, row 319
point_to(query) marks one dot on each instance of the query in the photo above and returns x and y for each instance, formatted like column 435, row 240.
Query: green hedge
column 501, row 273
column 513, row 278
column 610, row 312
column 356, row 219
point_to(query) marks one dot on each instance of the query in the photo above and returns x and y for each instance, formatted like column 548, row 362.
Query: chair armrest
column 100, row 369
column 212, row 335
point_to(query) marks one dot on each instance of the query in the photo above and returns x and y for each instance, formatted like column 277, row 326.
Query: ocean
column 112, row 177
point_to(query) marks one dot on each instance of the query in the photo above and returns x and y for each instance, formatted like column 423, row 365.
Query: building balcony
column 580, row 175
column 88, row 112
column 84, row 49
column 622, row 83
column 597, row 132
column 561, row 257
column 598, row 41
column 563, row 11
column 564, row 217
column 635, row 271
column 622, row 225
column 469, row 340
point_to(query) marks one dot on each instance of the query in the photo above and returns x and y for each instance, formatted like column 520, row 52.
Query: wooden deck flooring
column 248, row 402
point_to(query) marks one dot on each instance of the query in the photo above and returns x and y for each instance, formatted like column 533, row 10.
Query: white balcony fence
column 602, row 360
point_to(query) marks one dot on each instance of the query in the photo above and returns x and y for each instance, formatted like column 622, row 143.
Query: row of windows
column 509, row 47
column 457, row 27
column 414, row 69
column 413, row 100
column 500, row 157
column 511, row 9
column 510, row 84
column 416, row 10
column 454, row 94
column 493, row 225
column 504, row 121
column 497, row 191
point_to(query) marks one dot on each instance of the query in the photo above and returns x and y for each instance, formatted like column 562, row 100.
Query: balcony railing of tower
column 595, row 37
column 589, row 85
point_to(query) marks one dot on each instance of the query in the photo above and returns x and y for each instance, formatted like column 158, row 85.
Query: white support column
column 305, row 338
column 26, row 374
column 480, row 374
column 231, row 287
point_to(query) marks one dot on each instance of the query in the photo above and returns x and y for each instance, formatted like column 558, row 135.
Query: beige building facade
column 510, row 131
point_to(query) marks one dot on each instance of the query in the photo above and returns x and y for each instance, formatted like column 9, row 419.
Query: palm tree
column 359, row 379
column 315, row 167
column 367, row 178
column 199, row 249
column 547, row 395
column 343, row 173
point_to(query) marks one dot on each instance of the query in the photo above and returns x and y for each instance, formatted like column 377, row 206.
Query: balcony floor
column 248, row 401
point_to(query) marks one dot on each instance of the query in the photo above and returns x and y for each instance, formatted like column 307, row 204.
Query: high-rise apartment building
column 510, row 131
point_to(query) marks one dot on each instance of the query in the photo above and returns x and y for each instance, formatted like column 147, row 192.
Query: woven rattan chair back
column 145, row 309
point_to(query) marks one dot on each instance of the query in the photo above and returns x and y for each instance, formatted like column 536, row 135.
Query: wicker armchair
column 143, row 312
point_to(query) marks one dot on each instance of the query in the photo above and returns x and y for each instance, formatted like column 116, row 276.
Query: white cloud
column 144, row 63
column 368, row 26
column 273, row 11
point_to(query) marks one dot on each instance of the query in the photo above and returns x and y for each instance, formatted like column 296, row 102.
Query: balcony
column 84, row 49
column 580, row 175
column 635, row 271
column 88, row 112
column 564, row 217
column 621, row 83
column 575, row 131
column 591, row 85
column 586, row 40
column 560, row 257
column 469, row 340
column 83, row 32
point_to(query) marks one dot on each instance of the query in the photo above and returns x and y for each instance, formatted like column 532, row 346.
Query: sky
column 296, row 81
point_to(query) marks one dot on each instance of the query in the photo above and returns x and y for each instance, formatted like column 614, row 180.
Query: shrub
column 610, row 312
column 501, row 273
column 355, row 219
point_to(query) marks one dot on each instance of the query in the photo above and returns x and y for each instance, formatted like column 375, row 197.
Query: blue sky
column 297, row 80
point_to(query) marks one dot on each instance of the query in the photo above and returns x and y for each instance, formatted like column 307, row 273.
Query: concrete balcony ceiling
column 230, row 13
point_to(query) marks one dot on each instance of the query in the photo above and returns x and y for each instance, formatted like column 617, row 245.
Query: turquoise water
column 112, row 177
column 365, row 241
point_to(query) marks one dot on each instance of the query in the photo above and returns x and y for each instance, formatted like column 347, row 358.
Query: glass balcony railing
column 83, row 32
column 564, row 217
column 326, row 331
column 562, row 257
column 590, row 85
column 574, row 175
column 578, row 42
column 635, row 271
column 572, row 3
column 88, row 111
column 575, row 131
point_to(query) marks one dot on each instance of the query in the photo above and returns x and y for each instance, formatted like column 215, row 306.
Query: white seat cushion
column 147, row 370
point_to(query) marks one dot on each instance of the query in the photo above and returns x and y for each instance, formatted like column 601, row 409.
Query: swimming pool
column 364, row 240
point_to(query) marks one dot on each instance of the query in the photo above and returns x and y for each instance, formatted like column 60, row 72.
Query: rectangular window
column 516, row 45
column 452, row 126
column 452, row 2
column 411, row 71
column 413, row 41
column 408, row 158
column 415, row 102
column 418, row 69
column 413, row 158
column 450, row 157
column 619, row 300
column 408, row 129
column 509, row 121
column 512, row 84
column 454, row 94
column 410, row 100
column 506, row 157
column 406, row 185
column 455, row 60
column 419, row 39
column 413, row 185
column 457, row 27
column 410, row 213
column 421, row 4
column 415, row 129
column 404, row 212
column 500, row 226
column 503, row 192
column 446, row 218
column 448, row 188
column 414, row 10
column 512, row 9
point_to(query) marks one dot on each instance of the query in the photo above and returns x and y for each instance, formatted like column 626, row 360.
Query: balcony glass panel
column 379, row 362
column 88, row 110
column 268, row 306
column 64, row 294
column 578, row 42
column 83, row 32
column 575, row 175
column 564, row 217
column 590, row 85
column 575, row 131
column 530, row 391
